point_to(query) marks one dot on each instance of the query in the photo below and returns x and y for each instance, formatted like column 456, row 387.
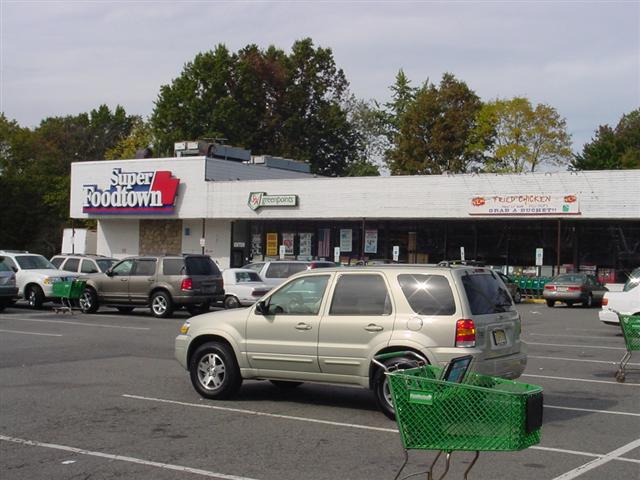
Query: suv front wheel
column 161, row 305
column 214, row 371
column 381, row 384
column 88, row 301
column 35, row 296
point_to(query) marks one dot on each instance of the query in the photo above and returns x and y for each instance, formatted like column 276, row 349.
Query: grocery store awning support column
column 558, row 247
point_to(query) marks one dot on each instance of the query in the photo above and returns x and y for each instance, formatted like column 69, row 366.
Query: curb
column 533, row 300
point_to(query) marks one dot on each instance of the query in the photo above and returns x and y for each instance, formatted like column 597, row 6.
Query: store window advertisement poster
column 345, row 239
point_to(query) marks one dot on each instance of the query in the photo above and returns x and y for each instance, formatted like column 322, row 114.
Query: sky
column 582, row 58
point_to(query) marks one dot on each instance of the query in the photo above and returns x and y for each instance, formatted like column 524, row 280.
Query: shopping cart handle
column 378, row 359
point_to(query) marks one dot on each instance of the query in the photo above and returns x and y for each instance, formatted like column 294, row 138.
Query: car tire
column 214, row 371
column 517, row 298
column 125, row 309
column 589, row 302
column 231, row 302
column 285, row 384
column 198, row 308
column 34, row 296
column 550, row 303
column 569, row 304
column 381, row 384
column 161, row 305
column 3, row 306
column 88, row 301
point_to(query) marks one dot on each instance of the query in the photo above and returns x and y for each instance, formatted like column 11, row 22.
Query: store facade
column 547, row 222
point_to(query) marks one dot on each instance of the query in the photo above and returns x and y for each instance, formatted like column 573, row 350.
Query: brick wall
column 159, row 237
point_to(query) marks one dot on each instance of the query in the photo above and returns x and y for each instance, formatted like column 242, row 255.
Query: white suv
column 327, row 325
column 35, row 275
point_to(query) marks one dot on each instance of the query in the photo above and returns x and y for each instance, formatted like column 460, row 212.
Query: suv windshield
column 485, row 293
column 201, row 266
column 633, row 281
column 105, row 264
column 33, row 262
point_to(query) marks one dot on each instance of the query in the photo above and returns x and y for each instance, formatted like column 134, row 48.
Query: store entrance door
column 411, row 248
column 237, row 258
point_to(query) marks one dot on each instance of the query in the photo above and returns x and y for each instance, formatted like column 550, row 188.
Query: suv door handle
column 372, row 327
column 303, row 326
column 124, row 279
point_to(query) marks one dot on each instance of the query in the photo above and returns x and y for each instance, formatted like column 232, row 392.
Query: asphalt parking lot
column 100, row 396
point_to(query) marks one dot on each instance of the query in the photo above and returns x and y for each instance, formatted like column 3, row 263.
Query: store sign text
column 525, row 204
column 261, row 199
column 132, row 192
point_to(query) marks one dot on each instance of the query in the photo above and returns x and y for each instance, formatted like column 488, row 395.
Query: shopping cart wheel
column 620, row 377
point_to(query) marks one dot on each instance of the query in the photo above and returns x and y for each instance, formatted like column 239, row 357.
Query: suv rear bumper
column 507, row 366
column 192, row 298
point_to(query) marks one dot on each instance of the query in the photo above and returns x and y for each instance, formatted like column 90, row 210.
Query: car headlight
column 184, row 329
column 47, row 281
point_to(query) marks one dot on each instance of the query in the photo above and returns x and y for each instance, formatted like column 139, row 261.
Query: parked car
column 626, row 302
column 572, row 288
column 8, row 288
column 242, row 287
column 161, row 283
column 35, row 275
column 83, row 263
column 275, row 272
column 326, row 325
column 514, row 289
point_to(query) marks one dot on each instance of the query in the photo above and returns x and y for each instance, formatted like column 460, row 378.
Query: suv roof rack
column 465, row 263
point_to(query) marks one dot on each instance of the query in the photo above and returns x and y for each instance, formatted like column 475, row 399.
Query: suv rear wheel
column 214, row 371
column 161, row 305
column 88, row 301
column 381, row 384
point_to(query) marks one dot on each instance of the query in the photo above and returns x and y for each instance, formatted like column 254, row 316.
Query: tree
column 403, row 94
column 140, row 137
column 612, row 149
column 369, row 123
column 268, row 101
column 517, row 137
column 434, row 130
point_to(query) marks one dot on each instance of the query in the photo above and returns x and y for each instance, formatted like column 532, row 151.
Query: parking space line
column 575, row 346
column 599, row 461
column 82, row 324
column 581, row 360
column 581, row 380
column 122, row 458
column 339, row 424
column 573, row 336
column 31, row 333
column 590, row 410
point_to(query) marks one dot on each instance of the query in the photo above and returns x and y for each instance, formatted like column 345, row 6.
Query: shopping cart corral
column 67, row 291
column 630, row 325
column 453, row 409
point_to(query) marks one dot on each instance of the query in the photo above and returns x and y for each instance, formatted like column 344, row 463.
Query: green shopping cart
column 67, row 291
column 631, row 331
column 479, row 413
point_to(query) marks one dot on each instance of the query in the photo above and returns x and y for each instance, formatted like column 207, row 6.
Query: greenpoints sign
column 261, row 199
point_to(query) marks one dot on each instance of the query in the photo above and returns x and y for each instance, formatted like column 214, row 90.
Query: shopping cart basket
column 67, row 291
column 631, row 330
column 481, row 413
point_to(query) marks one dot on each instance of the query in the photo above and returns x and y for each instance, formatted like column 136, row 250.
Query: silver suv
column 161, row 283
column 327, row 325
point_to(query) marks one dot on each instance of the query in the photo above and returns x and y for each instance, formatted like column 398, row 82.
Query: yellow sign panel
column 272, row 244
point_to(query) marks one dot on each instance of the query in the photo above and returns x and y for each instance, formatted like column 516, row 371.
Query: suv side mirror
column 262, row 308
column 15, row 269
column 109, row 273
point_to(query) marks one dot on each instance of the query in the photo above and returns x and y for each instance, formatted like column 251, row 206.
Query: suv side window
column 123, row 269
column 302, row 296
column 485, row 294
column 87, row 266
column 57, row 261
column 173, row 266
column 145, row 268
column 428, row 294
column 71, row 265
column 360, row 295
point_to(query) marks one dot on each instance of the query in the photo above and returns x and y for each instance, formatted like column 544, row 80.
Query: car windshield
column 569, row 278
column 486, row 294
column 244, row 277
column 34, row 262
column 633, row 281
column 105, row 264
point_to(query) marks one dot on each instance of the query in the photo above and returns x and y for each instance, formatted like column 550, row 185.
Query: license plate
column 562, row 289
column 499, row 337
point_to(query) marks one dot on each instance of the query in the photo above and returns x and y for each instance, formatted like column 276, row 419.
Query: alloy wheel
column 85, row 301
column 159, row 305
column 211, row 371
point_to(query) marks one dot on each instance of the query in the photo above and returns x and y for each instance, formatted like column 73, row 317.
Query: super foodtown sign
column 131, row 193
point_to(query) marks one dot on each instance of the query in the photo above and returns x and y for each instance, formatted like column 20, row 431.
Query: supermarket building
column 235, row 212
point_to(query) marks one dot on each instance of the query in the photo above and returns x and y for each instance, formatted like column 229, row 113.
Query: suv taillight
column 549, row 287
column 465, row 333
column 187, row 284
